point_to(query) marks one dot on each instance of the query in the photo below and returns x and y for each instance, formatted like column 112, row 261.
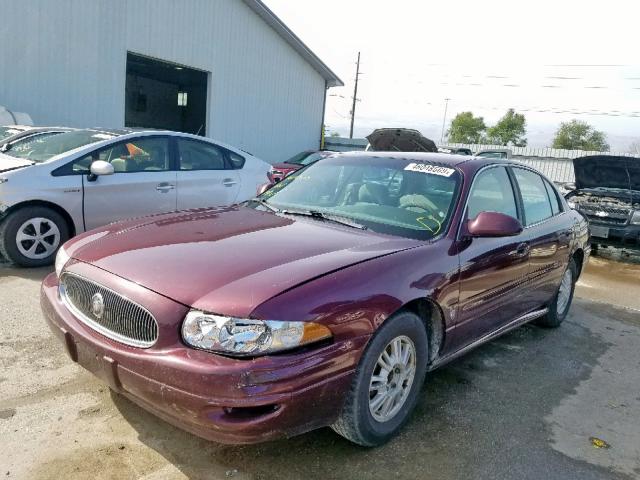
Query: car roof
column 441, row 158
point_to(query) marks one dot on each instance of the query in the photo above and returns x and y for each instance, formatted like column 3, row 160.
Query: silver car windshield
column 6, row 132
column 42, row 149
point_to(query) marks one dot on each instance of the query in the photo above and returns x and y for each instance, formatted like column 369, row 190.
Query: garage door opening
column 165, row 95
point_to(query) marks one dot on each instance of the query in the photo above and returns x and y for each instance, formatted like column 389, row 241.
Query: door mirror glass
column 100, row 167
column 494, row 224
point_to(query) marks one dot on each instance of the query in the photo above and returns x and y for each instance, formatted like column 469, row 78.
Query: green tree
column 579, row 135
column 510, row 130
column 465, row 128
column 334, row 134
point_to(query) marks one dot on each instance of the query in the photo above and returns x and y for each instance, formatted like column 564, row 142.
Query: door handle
column 229, row 182
column 522, row 250
column 164, row 187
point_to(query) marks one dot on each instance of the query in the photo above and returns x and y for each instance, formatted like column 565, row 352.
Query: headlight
column 635, row 218
column 243, row 337
column 61, row 260
column 571, row 204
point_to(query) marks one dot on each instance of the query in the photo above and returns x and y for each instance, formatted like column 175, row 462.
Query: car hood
column 607, row 171
column 400, row 140
column 11, row 163
column 228, row 260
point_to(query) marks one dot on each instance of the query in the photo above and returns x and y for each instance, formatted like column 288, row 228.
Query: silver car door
column 205, row 177
column 143, row 181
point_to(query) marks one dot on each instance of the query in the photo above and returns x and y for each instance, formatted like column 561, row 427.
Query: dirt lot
column 524, row 406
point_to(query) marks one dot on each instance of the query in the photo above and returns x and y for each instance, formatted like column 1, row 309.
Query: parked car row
column 322, row 302
column 57, row 183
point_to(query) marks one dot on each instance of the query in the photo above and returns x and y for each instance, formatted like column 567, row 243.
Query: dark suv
column 607, row 193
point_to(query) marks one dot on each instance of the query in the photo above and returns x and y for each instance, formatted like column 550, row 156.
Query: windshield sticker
column 432, row 169
column 103, row 136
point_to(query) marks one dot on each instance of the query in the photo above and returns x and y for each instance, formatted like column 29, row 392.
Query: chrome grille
column 108, row 313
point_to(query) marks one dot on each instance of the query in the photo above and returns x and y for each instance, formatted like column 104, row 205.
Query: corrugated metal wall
column 64, row 62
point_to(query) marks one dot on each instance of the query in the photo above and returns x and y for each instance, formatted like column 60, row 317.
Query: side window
column 535, row 199
column 136, row 155
column 237, row 161
column 553, row 197
column 195, row 155
column 492, row 192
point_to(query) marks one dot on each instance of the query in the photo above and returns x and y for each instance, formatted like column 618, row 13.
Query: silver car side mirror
column 100, row 167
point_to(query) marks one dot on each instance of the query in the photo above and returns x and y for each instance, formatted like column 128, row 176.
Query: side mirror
column 263, row 188
column 100, row 167
column 493, row 224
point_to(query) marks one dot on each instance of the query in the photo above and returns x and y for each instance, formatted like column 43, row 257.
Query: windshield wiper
column 264, row 203
column 324, row 216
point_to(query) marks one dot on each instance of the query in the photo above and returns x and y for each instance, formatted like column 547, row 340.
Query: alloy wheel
column 392, row 377
column 38, row 238
column 564, row 293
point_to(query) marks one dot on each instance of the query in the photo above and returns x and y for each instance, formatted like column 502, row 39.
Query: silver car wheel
column 38, row 238
column 392, row 378
column 564, row 293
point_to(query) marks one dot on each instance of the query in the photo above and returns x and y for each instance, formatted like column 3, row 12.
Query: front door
column 143, row 183
column 492, row 270
column 205, row 176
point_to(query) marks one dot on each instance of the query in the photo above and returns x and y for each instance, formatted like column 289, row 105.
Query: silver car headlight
column 244, row 337
column 62, row 258
column 635, row 218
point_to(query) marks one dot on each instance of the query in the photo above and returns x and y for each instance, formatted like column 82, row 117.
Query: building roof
column 292, row 39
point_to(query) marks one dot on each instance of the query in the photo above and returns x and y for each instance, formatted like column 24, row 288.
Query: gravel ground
column 533, row 404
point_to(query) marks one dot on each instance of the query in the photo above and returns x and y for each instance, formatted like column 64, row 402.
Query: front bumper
column 218, row 398
column 621, row 236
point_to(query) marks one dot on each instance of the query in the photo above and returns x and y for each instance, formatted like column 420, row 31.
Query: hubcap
column 564, row 293
column 38, row 238
column 392, row 378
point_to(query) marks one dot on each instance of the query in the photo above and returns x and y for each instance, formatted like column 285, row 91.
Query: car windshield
column 6, row 132
column 304, row 158
column 42, row 149
column 389, row 195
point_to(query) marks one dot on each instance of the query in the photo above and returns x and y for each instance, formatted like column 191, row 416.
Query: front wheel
column 561, row 303
column 387, row 382
column 31, row 236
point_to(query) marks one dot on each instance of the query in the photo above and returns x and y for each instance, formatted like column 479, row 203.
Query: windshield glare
column 42, row 148
column 387, row 195
column 6, row 132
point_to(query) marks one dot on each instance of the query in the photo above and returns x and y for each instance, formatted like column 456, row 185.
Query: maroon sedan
column 324, row 301
column 302, row 159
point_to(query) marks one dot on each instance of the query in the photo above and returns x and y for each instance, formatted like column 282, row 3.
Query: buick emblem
column 97, row 305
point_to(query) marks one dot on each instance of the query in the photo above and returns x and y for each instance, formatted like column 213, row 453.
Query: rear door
column 144, row 181
column 205, row 176
column 549, row 234
column 492, row 270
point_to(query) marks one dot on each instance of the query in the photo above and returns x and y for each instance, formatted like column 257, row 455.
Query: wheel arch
column 578, row 257
column 43, row 203
column 433, row 317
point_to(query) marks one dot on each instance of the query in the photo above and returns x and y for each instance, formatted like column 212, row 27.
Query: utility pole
column 355, row 97
column 444, row 118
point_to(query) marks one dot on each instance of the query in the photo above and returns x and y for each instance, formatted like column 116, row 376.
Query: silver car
column 65, row 184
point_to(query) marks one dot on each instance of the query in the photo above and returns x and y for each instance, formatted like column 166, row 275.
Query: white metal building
column 227, row 69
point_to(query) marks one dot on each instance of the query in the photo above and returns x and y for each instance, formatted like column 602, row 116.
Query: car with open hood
column 607, row 193
column 56, row 186
column 399, row 140
column 322, row 302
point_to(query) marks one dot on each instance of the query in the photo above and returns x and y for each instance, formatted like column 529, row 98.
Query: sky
column 550, row 60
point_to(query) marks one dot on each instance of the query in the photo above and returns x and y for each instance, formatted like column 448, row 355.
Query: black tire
column 9, row 230
column 356, row 423
column 554, row 318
